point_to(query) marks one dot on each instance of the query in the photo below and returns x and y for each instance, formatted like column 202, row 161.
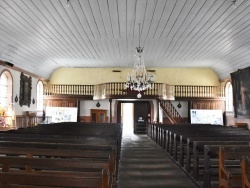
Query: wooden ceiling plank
column 220, row 27
column 58, row 10
column 105, row 16
column 131, row 9
column 209, row 26
column 45, row 27
column 189, row 20
column 160, row 12
column 86, row 9
column 179, row 22
column 98, row 17
column 214, row 6
column 14, row 28
column 54, row 22
column 122, row 15
column 114, row 17
column 74, row 24
column 190, row 30
column 239, row 32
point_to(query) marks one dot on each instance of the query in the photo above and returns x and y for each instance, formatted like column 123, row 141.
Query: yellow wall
column 173, row 76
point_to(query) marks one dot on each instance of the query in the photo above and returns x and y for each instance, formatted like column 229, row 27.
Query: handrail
column 199, row 91
column 63, row 89
column 107, row 90
column 117, row 89
column 171, row 112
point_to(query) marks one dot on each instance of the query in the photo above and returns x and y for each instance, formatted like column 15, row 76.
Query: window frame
column 229, row 97
column 39, row 95
column 9, row 77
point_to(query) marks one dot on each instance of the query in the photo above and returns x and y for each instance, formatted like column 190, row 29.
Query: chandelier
column 139, row 80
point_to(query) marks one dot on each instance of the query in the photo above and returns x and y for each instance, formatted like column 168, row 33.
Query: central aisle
column 143, row 164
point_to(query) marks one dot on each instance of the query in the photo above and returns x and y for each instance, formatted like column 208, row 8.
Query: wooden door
column 141, row 111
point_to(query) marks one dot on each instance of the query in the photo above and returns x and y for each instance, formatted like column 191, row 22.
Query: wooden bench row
column 52, row 171
column 61, row 155
column 194, row 146
column 234, row 167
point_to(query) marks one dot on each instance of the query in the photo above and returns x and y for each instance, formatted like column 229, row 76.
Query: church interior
column 158, row 89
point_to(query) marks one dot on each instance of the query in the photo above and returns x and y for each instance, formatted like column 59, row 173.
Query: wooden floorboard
column 144, row 164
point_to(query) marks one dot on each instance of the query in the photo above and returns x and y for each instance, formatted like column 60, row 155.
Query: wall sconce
column 33, row 101
column 179, row 105
column 16, row 99
column 98, row 104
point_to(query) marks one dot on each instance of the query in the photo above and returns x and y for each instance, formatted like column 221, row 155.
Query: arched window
column 229, row 96
column 5, row 89
column 39, row 91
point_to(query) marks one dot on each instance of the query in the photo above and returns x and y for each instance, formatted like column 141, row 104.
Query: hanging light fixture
column 139, row 80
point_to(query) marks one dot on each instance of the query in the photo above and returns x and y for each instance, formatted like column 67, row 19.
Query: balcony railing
column 109, row 90
column 200, row 91
column 117, row 89
column 57, row 89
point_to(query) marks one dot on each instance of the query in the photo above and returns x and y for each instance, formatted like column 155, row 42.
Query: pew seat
column 230, row 172
column 245, row 168
column 50, row 170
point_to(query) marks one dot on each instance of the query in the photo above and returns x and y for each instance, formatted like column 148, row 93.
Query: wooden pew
column 28, row 180
column 174, row 140
column 211, row 161
column 181, row 139
column 168, row 137
column 198, row 154
column 73, row 129
column 230, row 174
column 195, row 150
column 245, row 169
column 58, row 166
column 55, row 140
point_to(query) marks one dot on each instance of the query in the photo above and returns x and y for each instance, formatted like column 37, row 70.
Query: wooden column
column 158, row 106
column 110, row 110
column 78, row 110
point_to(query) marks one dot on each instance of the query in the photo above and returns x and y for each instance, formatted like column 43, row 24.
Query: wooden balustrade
column 109, row 90
column 199, row 91
column 116, row 89
column 171, row 112
column 56, row 89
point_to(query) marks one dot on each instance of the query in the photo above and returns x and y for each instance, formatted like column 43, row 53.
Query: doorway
column 127, row 118
column 134, row 115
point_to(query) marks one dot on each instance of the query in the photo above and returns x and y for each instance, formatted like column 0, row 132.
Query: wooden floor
column 144, row 164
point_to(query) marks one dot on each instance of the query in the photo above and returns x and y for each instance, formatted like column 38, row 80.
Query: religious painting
column 25, row 90
column 241, row 92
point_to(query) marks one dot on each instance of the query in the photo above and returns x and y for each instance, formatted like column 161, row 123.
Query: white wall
column 86, row 105
column 16, row 87
column 173, row 76
column 183, row 111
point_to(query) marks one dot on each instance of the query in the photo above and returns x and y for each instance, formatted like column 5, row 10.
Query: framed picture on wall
column 25, row 90
column 241, row 92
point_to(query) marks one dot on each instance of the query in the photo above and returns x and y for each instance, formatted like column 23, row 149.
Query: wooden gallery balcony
column 116, row 91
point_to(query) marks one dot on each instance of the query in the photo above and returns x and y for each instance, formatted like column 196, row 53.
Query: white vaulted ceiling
column 40, row 36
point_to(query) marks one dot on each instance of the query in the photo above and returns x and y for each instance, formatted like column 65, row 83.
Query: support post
column 110, row 110
column 157, row 115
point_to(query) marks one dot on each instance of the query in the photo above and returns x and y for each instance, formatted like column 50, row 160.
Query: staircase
column 171, row 113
